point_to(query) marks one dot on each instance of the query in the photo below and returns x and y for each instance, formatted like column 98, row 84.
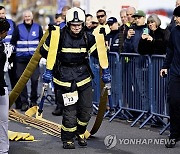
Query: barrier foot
column 142, row 125
column 164, row 129
column 129, row 113
column 138, row 118
column 115, row 115
column 125, row 115
column 161, row 120
column 106, row 113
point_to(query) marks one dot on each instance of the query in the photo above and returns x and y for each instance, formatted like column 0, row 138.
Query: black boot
column 81, row 140
column 69, row 145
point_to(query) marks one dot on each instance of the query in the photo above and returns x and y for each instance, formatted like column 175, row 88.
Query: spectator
column 123, row 16
column 155, row 41
column 112, row 39
column 10, row 64
column 4, row 99
column 58, row 19
column 172, row 62
column 131, row 46
column 134, row 33
column 123, row 28
column 64, row 11
column 88, row 23
column 95, row 22
column 25, row 40
column 129, row 12
column 101, row 16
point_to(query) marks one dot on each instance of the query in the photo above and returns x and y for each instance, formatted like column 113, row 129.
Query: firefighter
column 68, row 66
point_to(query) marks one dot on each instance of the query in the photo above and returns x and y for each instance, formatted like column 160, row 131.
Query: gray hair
column 154, row 18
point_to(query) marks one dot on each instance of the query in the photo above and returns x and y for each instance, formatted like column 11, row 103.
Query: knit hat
column 177, row 11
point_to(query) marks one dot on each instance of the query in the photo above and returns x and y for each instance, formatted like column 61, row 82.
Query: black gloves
column 51, row 27
column 2, row 91
column 102, row 31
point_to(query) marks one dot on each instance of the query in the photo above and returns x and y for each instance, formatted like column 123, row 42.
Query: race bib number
column 70, row 98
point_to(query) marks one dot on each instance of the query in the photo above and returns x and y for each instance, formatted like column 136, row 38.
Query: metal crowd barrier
column 134, row 72
column 159, row 105
column 136, row 87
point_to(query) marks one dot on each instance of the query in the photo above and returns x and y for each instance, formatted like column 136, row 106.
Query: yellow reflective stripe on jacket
column 45, row 47
column 53, row 47
column 94, row 47
column 73, row 50
column 68, row 84
column 82, row 123
column 65, row 84
column 83, row 82
column 73, row 129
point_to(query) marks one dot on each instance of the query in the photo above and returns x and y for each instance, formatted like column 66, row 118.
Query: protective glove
column 102, row 31
column 106, row 76
column 2, row 91
column 47, row 76
column 51, row 27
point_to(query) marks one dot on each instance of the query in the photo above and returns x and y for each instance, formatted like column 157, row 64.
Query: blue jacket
column 28, row 41
column 131, row 45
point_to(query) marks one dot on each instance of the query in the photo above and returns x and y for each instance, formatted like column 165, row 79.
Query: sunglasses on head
column 100, row 16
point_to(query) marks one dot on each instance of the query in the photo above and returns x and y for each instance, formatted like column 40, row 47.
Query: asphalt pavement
column 124, row 139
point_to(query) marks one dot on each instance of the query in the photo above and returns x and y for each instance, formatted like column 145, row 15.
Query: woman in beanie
column 155, row 41
column 172, row 62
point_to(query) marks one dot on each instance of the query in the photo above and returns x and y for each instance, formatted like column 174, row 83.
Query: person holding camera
column 4, row 99
column 154, row 39
column 134, row 33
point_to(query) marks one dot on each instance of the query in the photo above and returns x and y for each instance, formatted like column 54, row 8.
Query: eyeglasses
column 100, row 16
